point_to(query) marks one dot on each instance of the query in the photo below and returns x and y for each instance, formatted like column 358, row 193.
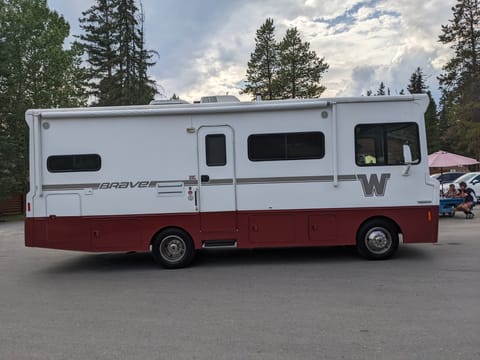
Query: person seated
column 451, row 192
column 468, row 195
column 370, row 159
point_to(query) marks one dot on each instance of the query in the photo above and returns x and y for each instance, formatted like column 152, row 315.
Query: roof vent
column 168, row 102
column 219, row 99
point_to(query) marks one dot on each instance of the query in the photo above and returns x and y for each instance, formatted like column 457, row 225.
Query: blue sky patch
column 348, row 20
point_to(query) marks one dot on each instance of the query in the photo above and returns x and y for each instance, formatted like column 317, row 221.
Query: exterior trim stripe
column 212, row 182
column 285, row 179
column 58, row 187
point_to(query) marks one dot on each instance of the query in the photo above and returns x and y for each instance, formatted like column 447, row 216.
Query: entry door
column 216, row 178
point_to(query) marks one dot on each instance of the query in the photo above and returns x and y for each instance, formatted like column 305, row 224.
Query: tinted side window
column 382, row 144
column 74, row 163
column 216, row 150
column 286, row 146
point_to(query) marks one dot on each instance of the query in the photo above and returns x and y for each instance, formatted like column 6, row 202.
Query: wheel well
column 394, row 225
column 168, row 228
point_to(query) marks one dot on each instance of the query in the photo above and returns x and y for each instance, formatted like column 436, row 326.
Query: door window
column 216, row 150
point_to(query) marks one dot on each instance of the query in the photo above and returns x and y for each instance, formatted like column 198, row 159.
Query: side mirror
column 407, row 159
column 407, row 154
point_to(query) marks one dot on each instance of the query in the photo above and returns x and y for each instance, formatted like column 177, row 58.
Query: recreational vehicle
column 174, row 179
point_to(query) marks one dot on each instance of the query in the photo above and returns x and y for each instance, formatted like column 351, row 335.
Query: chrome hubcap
column 172, row 248
column 378, row 240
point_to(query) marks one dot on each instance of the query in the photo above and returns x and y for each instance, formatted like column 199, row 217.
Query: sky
column 204, row 46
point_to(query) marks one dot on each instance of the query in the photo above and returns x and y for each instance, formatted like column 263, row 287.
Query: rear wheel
column 173, row 248
column 377, row 240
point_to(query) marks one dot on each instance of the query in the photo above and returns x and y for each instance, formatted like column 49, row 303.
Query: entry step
column 219, row 244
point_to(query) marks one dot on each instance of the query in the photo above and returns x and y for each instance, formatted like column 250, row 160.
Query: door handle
column 205, row 178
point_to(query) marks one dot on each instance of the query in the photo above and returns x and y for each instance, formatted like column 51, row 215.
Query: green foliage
column 417, row 83
column 113, row 39
column 381, row 89
column 288, row 69
column 263, row 64
column 432, row 125
column 100, row 45
column 300, row 68
column 460, row 82
column 35, row 72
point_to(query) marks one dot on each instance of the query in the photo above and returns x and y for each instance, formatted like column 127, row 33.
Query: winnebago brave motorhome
column 177, row 178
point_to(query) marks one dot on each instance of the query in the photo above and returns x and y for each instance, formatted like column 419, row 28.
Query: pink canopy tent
column 444, row 159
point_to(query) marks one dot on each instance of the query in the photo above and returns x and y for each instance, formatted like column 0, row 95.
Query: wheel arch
column 387, row 219
column 172, row 247
column 170, row 227
column 378, row 238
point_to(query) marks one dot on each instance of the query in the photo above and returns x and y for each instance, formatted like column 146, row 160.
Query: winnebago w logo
column 372, row 186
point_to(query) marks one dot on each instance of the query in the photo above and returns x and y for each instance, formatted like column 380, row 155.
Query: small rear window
column 74, row 163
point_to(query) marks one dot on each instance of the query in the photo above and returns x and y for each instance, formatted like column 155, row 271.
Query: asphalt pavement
column 323, row 303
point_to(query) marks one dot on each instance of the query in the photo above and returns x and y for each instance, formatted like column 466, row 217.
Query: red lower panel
column 250, row 228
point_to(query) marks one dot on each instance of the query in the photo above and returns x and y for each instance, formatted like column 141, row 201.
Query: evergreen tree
column 99, row 43
column 35, row 72
column 432, row 125
column 263, row 64
column 115, row 44
column 144, row 87
column 460, row 82
column 417, row 85
column 381, row 89
column 300, row 69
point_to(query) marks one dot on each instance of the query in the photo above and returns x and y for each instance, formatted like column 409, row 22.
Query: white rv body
column 152, row 171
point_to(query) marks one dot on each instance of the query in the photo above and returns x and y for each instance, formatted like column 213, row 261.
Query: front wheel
column 173, row 248
column 377, row 240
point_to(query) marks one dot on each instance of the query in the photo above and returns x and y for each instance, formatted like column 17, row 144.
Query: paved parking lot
column 268, row 304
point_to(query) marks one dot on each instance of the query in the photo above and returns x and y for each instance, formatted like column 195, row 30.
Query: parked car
column 446, row 179
column 472, row 179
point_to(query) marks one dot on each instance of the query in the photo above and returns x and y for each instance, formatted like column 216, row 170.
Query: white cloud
column 205, row 46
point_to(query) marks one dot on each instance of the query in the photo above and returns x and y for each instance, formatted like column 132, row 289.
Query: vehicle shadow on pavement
column 118, row 262
column 105, row 262
column 281, row 257
column 297, row 256
column 414, row 252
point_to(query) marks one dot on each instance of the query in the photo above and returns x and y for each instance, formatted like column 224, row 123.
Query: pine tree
column 460, row 82
column 432, row 125
column 145, row 88
column 417, row 82
column 35, row 72
column 114, row 41
column 263, row 64
column 99, row 43
column 381, row 89
column 417, row 85
column 300, row 68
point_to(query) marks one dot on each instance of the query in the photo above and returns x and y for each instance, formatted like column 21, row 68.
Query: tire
column 173, row 249
column 377, row 240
